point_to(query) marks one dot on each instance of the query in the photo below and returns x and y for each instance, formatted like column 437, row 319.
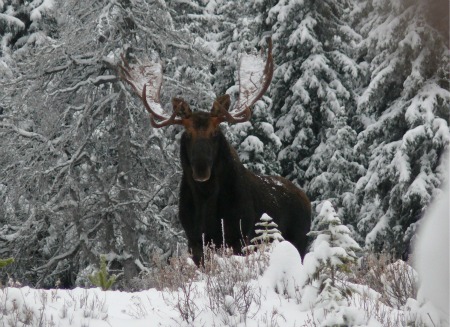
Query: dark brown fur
column 232, row 193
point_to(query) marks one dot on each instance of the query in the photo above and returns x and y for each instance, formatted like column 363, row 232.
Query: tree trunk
column 126, row 212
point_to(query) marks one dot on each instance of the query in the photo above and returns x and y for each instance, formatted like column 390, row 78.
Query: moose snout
column 201, row 172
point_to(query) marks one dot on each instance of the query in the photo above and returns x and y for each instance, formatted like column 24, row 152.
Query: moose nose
column 201, row 174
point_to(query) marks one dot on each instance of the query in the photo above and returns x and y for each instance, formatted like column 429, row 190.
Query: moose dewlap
column 215, row 186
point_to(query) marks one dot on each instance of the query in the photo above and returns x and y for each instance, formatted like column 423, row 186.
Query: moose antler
column 146, row 80
column 255, row 76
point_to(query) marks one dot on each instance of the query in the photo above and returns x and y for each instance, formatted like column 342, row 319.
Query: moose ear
column 220, row 105
column 181, row 107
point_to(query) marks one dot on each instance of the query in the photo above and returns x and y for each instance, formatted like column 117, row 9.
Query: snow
column 285, row 270
column 382, row 224
column 87, row 307
column 285, row 294
column 252, row 144
column 45, row 7
column 303, row 32
column 442, row 134
column 251, row 77
column 148, row 74
column 402, row 165
column 424, row 103
column 431, row 254
column 419, row 187
column 12, row 21
column 282, row 9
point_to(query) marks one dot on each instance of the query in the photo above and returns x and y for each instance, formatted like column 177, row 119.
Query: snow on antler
column 148, row 75
column 255, row 75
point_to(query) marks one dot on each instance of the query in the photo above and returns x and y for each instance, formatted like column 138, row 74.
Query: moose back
column 219, row 197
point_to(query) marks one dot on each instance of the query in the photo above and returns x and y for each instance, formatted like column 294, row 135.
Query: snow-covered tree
column 357, row 114
column 331, row 251
column 403, row 111
column 83, row 173
column 256, row 141
column 266, row 231
column 312, row 95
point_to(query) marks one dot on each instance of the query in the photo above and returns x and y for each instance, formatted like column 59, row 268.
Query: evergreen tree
column 267, row 231
column 331, row 251
column 404, row 111
column 101, row 278
column 313, row 97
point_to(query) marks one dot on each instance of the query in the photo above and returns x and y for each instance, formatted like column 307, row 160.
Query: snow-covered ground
column 275, row 298
column 271, row 287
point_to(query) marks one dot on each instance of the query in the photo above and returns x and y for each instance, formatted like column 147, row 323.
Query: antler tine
column 243, row 117
column 254, row 80
column 164, row 120
column 146, row 81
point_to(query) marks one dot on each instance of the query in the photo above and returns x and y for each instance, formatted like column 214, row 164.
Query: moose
column 220, row 200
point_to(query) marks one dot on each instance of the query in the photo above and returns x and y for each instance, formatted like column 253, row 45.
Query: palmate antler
column 255, row 75
column 146, row 80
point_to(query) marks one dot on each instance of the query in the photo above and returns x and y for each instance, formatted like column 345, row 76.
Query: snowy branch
column 97, row 81
column 11, row 20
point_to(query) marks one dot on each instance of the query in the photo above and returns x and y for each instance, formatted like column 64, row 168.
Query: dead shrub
column 395, row 281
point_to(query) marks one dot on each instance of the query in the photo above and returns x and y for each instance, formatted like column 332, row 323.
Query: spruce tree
column 267, row 231
column 313, row 96
column 403, row 109
column 332, row 250
column 101, row 277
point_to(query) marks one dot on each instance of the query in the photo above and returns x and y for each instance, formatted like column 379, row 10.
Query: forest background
column 357, row 114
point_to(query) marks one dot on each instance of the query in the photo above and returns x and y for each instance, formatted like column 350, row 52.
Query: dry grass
column 395, row 280
column 14, row 312
column 230, row 291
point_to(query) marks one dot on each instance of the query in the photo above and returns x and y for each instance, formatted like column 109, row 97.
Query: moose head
column 201, row 128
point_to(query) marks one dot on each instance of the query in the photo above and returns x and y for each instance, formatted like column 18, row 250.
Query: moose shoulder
column 219, row 197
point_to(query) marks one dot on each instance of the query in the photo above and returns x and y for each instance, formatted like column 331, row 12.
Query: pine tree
column 403, row 110
column 333, row 169
column 312, row 96
column 101, row 278
column 332, row 250
column 267, row 231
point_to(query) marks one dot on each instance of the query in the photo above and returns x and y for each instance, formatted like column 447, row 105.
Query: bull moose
column 216, row 189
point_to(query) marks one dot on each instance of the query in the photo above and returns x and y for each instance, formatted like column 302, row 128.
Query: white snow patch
column 12, row 21
column 45, row 7
column 379, row 227
column 252, row 144
column 431, row 254
column 251, row 78
column 285, row 269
